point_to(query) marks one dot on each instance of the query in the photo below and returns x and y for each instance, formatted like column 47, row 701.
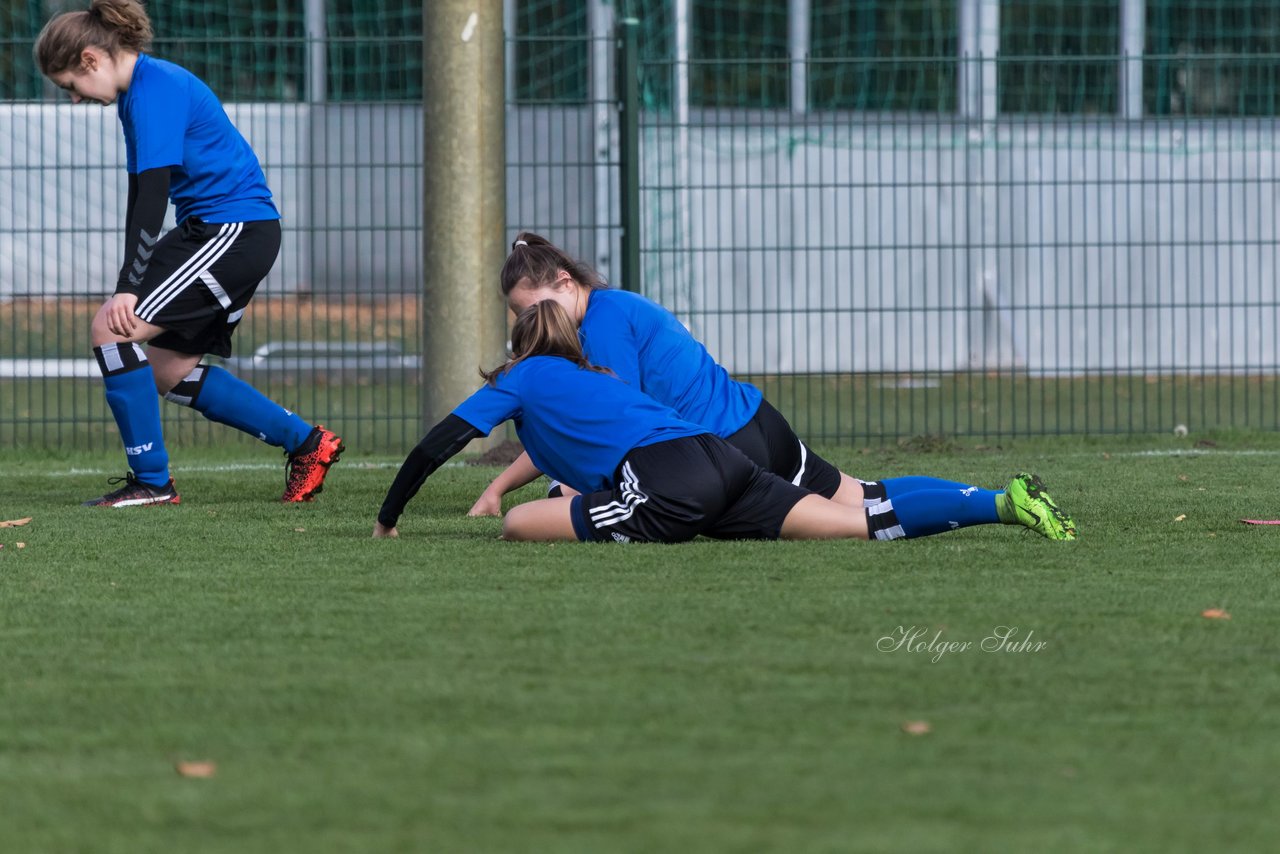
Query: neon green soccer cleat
column 1027, row 501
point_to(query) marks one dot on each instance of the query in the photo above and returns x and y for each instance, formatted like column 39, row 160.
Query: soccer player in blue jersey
column 182, row 293
column 648, row 347
column 644, row 474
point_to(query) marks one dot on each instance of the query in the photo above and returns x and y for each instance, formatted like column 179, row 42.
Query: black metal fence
column 882, row 271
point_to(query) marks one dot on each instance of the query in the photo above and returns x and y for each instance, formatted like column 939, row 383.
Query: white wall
column 796, row 245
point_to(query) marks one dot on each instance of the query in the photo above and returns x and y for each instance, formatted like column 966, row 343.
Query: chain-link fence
column 971, row 218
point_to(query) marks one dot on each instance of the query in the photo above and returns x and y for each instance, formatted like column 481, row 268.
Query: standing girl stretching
column 646, row 475
column 183, row 293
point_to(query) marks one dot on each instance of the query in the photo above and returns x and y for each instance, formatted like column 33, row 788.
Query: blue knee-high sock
column 932, row 511
column 131, row 394
column 219, row 396
column 895, row 486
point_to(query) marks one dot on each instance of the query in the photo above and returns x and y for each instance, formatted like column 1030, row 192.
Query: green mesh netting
column 1059, row 56
column 20, row 21
column 1212, row 57
column 1202, row 57
column 551, row 51
column 251, row 50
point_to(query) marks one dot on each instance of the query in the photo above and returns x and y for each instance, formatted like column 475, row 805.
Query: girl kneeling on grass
column 645, row 475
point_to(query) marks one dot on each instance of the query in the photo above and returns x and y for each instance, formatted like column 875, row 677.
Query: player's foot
column 1027, row 502
column 307, row 466
column 135, row 493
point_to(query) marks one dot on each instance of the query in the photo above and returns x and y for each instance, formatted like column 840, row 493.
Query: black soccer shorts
column 769, row 442
column 200, row 280
column 673, row 491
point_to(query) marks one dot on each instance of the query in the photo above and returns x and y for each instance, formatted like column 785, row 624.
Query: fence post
column 629, row 150
column 464, row 199
column 1133, row 38
column 317, row 52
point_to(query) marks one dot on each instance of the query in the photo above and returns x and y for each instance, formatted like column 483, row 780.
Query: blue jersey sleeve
column 490, row 405
column 158, row 115
column 610, row 341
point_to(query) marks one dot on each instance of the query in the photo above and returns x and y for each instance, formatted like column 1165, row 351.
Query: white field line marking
column 1189, row 452
column 377, row 464
column 232, row 467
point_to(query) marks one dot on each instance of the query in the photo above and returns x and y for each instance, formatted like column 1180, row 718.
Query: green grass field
column 451, row 692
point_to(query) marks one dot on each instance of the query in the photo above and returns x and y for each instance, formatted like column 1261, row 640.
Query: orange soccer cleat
column 307, row 466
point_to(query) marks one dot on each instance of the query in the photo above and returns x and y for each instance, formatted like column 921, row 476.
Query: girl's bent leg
column 547, row 519
column 818, row 518
column 850, row 492
column 131, row 393
column 100, row 330
column 220, row 396
column 170, row 367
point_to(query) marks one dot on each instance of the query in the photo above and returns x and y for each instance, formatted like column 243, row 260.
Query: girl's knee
column 547, row 519
column 517, row 525
column 99, row 332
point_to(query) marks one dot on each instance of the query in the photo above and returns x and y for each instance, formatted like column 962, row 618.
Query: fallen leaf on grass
column 300, row 530
column 196, row 769
column 14, row 523
column 916, row 727
column 21, row 545
column 1183, row 478
column 1215, row 614
column 1180, row 517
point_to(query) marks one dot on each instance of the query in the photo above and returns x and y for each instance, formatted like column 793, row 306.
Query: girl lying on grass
column 645, row 475
column 647, row 346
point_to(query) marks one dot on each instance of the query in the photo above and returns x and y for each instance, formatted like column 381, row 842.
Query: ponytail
column 543, row 329
column 110, row 25
column 537, row 259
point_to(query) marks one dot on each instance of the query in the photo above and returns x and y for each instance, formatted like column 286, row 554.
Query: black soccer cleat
column 135, row 493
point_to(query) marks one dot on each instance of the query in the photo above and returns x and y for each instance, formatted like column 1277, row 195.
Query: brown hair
column 111, row 25
column 543, row 329
column 537, row 259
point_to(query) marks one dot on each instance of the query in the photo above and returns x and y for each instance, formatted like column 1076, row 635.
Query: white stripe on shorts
column 191, row 270
column 216, row 289
column 619, row 511
column 804, row 459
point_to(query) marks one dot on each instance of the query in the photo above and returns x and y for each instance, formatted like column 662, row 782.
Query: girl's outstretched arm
column 445, row 439
column 519, row 473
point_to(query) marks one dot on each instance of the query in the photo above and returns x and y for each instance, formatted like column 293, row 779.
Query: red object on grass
column 1261, row 521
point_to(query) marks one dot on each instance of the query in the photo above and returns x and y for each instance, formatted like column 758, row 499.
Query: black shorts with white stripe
column 769, row 441
column 675, row 490
column 201, row 277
